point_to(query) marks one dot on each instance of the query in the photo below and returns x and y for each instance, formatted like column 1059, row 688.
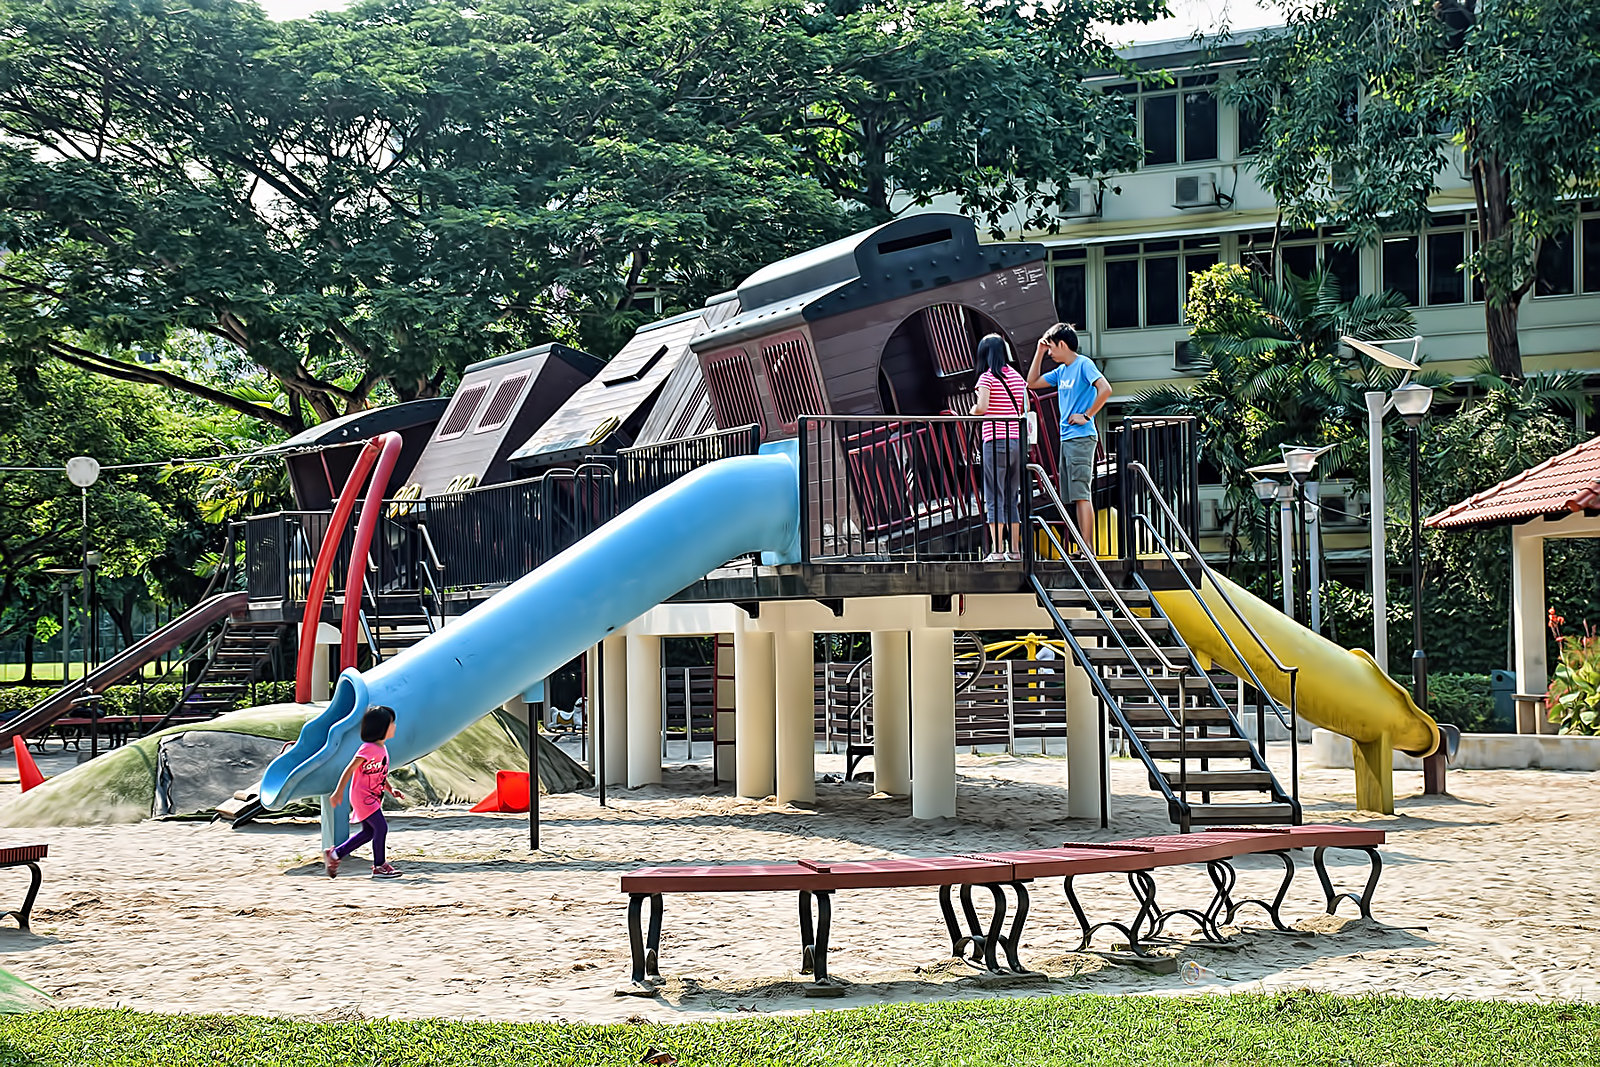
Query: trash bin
column 1503, row 689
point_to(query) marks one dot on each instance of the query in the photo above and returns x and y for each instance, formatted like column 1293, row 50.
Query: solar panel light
column 1302, row 461
column 1412, row 401
column 1265, row 489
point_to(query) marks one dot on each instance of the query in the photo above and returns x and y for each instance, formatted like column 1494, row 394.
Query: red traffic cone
column 510, row 793
column 27, row 770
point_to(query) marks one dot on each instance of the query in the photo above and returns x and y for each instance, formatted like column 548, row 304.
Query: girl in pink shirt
column 368, row 776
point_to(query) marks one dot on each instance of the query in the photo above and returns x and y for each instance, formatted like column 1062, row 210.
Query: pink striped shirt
column 1004, row 398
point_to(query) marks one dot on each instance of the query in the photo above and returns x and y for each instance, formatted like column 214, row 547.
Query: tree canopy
column 1368, row 102
column 366, row 200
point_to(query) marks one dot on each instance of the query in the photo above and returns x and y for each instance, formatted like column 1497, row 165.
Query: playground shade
column 504, row 647
column 18, row 997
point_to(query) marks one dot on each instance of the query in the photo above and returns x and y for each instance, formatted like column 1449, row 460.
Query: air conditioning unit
column 1340, row 507
column 1195, row 190
column 1079, row 202
column 1186, row 357
column 1210, row 515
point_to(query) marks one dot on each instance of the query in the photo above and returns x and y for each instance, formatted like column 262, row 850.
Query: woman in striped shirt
column 1002, row 395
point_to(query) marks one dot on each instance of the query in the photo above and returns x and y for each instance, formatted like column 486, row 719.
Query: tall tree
column 1368, row 102
column 370, row 197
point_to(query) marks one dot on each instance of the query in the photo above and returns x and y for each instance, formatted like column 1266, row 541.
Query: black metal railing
column 902, row 489
column 648, row 469
column 1168, row 490
column 281, row 553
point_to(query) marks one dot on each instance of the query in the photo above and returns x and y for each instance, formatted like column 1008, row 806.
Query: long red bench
column 25, row 856
column 1000, row 872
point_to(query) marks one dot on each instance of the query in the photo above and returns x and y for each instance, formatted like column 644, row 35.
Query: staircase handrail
column 1043, row 478
column 1291, row 672
column 196, row 620
column 1194, row 553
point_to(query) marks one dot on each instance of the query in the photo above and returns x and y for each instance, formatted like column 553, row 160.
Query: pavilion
column 1558, row 498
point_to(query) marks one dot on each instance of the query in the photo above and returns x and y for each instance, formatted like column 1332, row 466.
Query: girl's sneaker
column 386, row 871
column 330, row 862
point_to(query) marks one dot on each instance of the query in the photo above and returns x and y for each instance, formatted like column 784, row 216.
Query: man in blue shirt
column 1081, row 391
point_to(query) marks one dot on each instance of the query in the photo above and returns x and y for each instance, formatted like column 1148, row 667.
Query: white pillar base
column 755, row 715
column 891, row 711
column 794, row 657
column 933, row 724
column 1086, row 746
column 614, row 650
column 644, row 711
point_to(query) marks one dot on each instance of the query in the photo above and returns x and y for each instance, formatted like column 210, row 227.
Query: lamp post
column 66, row 619
column 1266, row 491
column 84, row 471
column 1412, row 401
column 1301, row 461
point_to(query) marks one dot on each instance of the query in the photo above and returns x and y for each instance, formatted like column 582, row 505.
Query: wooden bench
column 25, row 856
column 1003, row 872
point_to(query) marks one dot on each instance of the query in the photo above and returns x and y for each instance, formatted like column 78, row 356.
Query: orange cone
column 27, row 770
column 510, row 793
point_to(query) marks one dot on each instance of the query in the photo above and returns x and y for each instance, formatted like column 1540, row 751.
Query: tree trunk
column 1503, row 295
column 27, row 655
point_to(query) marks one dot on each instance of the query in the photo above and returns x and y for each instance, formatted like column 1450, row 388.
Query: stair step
column 1141, row 652
column 1095, row 626
column 1277, row 812
column 1163, row 683
column 1201, row 748
column 1149, row 715
column 1078, row 598
column 1221, row 780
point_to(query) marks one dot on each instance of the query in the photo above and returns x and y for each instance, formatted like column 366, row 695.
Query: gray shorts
column 1077, row 468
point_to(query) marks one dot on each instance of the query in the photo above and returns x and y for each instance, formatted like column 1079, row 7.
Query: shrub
column 125, row 699
column 1575, row 689
column 1462, row 700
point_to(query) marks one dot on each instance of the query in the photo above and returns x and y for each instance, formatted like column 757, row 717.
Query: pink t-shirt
column 1008, row 398
column 366, row 785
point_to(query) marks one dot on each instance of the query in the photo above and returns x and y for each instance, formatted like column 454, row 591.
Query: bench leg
column 952, row 927
column 646, row 952
column 814, row 933
column 1087, row 930
column 1273, row 907
column 1364, row 901
column 1012, row 942
column 27, row 902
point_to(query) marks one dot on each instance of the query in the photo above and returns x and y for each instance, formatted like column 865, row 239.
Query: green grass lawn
column 1253, row 1030
column 50, row 673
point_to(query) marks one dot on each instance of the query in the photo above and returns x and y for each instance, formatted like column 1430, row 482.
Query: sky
column 1188, row 16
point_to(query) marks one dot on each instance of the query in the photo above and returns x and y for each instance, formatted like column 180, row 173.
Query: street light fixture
column 1412, row 401
column 1301, row 461
column 84, row 471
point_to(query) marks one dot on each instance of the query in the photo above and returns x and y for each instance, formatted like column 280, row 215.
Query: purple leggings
column 374, row 828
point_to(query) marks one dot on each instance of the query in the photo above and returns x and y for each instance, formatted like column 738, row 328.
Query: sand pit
column 1488, row 893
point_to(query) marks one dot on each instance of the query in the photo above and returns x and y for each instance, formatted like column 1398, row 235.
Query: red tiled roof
column 1568, row 482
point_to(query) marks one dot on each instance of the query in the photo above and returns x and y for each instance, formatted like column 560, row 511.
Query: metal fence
column 650, row 468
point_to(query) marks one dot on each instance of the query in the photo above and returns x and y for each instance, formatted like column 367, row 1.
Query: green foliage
column 1461, row 700
column 1262, row 1029
column 1275, row 373
column 1575, row 688
column 1369, row 102
column 154, row 699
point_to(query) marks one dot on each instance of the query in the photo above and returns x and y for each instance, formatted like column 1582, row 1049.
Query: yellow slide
column 1339, row 689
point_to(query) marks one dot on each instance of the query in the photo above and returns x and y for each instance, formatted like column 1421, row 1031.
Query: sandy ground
column 1488, row 893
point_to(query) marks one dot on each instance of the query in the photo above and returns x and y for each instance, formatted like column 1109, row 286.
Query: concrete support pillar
column 644, row 710
column 321, row 677
column 1374, row 767
column 933, row 724
column 755, row 713
column 614, row 650
column 794, row 662
column 1528, row 622
column 1086, row 746
column 891, row 711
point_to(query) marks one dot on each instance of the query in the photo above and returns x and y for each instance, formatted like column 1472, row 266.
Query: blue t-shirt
column 1075, row 392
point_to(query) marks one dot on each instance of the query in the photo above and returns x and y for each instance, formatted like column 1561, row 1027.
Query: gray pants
column 1003, row 459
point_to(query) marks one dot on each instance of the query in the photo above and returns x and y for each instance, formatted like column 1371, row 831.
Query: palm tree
column 1275, row 373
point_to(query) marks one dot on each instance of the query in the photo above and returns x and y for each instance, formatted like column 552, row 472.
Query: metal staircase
column 1152, row 686
column 225, row 670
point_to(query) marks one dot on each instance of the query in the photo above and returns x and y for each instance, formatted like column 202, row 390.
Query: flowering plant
column 1574, row 697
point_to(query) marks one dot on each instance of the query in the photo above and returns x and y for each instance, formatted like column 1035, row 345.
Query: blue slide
column 517, row 638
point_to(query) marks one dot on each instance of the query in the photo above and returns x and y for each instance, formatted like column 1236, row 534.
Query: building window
column 1447, row 261
column 1302, row 252
column 1177, row 123
column 1069, row 272
column 1555, row 276
column 1252, row 125
column 1591, row 255
column 1401, row 268
column 1146, row 284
